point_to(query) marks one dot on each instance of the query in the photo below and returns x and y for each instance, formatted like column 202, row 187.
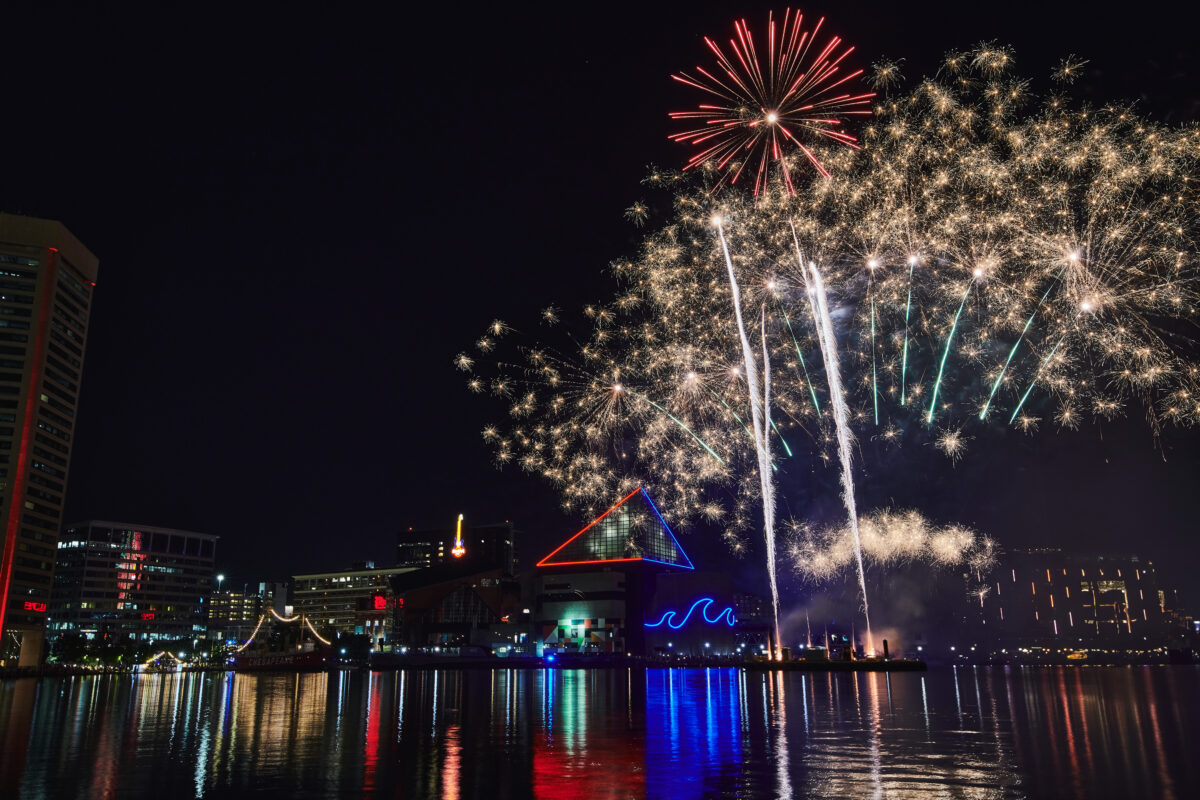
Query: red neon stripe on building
column 18, row 499
column 585, row 530
column 591, row 561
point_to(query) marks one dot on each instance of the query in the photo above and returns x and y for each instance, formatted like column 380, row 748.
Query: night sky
column 302, row 217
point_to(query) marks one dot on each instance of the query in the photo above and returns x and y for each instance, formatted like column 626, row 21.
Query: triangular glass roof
column 632, row 530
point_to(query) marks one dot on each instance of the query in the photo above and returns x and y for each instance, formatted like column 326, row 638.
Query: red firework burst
column 766, row 106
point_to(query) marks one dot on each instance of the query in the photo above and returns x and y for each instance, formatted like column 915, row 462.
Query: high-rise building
column 116, row 580
column 46, row 282
column 492, row 546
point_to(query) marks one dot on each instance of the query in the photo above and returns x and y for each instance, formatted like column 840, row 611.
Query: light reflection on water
column 594, row 734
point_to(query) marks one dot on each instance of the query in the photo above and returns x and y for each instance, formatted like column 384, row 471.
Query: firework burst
column 767, row 104
column 989, row 261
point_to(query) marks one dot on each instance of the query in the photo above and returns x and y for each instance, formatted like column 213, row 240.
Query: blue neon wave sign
column 703, row 604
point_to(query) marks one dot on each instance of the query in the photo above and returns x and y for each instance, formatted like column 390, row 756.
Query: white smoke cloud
column 889, row 538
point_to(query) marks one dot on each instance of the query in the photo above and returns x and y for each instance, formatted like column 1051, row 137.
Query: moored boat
column 305, row 658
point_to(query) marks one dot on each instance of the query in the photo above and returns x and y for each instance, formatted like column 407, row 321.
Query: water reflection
column 693, row 731
column 968, row 732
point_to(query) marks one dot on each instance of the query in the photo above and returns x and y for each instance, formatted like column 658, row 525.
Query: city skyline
column 293, row 265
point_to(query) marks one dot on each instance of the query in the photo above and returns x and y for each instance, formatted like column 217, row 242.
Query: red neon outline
column 18, row 491
column 688, row 562
column 585, row 530
column 593, row 561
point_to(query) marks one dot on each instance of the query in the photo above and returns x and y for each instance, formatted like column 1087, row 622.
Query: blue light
column 550, row 657
column 666, row 528
column 669, row 617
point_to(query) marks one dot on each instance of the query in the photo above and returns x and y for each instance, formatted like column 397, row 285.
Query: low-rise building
column 358, row 600
column 1049, row 601
column 594, row 590
column 452, row 605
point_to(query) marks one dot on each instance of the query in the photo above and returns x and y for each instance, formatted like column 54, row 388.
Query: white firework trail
column 841, row 417
column 762, row 441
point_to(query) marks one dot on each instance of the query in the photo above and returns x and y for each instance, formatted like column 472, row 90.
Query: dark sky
column 302, row 217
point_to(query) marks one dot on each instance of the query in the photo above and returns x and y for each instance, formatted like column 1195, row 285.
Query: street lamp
column 220, row 577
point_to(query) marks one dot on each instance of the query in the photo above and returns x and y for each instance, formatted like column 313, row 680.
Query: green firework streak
column 1045, row 361
column 800, row 355
column 745, row 427
column 942, row 367
column 678, row 422
column 1013, row 352
column 774, row 427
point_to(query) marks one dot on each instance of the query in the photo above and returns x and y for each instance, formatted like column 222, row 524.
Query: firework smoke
column 889, row 539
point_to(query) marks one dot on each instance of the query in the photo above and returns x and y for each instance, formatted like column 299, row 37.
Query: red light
column 399, row 602
column 380, row 602
column 148, row 615
column 8, row 552
column 588, row 527
column 590, row 561
column 32, row 606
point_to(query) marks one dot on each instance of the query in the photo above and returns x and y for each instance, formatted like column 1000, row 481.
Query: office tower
column 46, row 282
column 115, row 581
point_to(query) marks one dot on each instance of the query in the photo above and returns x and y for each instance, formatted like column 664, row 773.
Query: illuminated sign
column 148, row 615
column 458, row 549
column 380, row 602
column 703, row 603
column 32, row 606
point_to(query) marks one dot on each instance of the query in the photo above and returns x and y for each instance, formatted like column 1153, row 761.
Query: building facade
column 115, row 580
column 358, row 600
column 453, row 606
column 233, row 613
column 692, row 613
column 1049, row 601
column 46, row 281
column 593, row 592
